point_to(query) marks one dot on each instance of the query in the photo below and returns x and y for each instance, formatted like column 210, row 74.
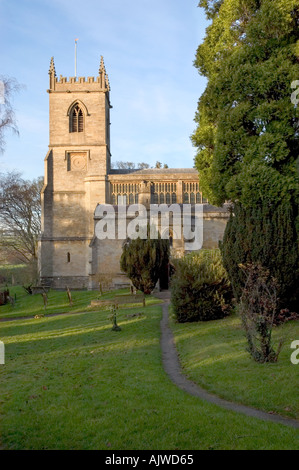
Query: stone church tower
column 76, row 175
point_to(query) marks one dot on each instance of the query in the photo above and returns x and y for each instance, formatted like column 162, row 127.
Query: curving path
column 172, row 367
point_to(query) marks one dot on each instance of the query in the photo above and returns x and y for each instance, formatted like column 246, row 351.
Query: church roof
column 154, row 171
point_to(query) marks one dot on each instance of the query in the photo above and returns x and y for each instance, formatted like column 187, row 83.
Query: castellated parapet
column 76, row 84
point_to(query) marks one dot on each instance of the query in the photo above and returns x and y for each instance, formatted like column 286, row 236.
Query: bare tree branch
column 9, row 86
column 20, row 215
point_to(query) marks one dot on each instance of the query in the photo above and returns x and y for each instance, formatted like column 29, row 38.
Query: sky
column 148, row 46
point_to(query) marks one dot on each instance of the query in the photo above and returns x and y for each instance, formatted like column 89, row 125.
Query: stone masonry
column 78, row 177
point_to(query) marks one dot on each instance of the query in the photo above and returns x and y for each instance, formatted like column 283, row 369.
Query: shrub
column 284, row 315
column 264, row 234
column 200, row 290
column 258, row 307
column 142, row 261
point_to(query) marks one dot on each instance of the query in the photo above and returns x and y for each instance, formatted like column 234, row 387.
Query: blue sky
column 148, row 47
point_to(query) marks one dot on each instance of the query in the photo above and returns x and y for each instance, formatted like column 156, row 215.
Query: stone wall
column 105, row 254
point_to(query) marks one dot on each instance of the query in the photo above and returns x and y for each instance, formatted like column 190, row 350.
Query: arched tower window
column 68, row 256
column 76, row 119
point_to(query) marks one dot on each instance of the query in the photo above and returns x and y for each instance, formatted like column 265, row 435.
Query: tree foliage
column 132, row 166
column 142, row 260
column 123, row 165
column 200, row 289
column 264, row 234
column 159, row 165
column 211, row 7
column 247, row 135
column 247, row 124
column 143, row 166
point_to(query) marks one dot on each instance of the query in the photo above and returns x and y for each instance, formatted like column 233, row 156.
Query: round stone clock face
column 78, row 162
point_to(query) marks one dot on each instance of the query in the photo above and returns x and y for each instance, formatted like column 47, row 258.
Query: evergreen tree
column 247, row 124
column 247, row 134
column 266, row 235
column 200, row 289
column 142, row 260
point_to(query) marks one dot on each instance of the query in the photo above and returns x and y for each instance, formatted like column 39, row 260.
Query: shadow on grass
column 55, row 333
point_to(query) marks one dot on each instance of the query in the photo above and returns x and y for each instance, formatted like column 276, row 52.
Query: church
column 78, row 178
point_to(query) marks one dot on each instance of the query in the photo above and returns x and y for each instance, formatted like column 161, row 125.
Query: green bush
column 264, row 234
column 143, row 259
column 200, row 290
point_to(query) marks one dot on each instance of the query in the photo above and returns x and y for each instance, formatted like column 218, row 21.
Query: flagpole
column 76, row 58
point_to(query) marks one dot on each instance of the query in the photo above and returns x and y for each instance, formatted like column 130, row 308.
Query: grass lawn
column 213, row 354
column 69, row 382
column 28, row 305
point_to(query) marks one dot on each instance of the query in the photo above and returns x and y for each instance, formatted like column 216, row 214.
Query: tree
column 159, row 165
column 20, row 215
column 264, row 235
column 247, row 135
column 142, row 260
column 211, row 7
column 123, row 165
column 129, row 165
column 258, row 308
column 8, row 86
column 200, row 289
column 143, row 166
column 247, row 124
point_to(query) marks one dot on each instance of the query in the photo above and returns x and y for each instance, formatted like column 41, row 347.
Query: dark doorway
column 167, row 272
column 164, row 277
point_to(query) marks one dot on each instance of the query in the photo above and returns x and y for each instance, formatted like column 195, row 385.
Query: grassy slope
column 69, row 382
column 214, row 355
